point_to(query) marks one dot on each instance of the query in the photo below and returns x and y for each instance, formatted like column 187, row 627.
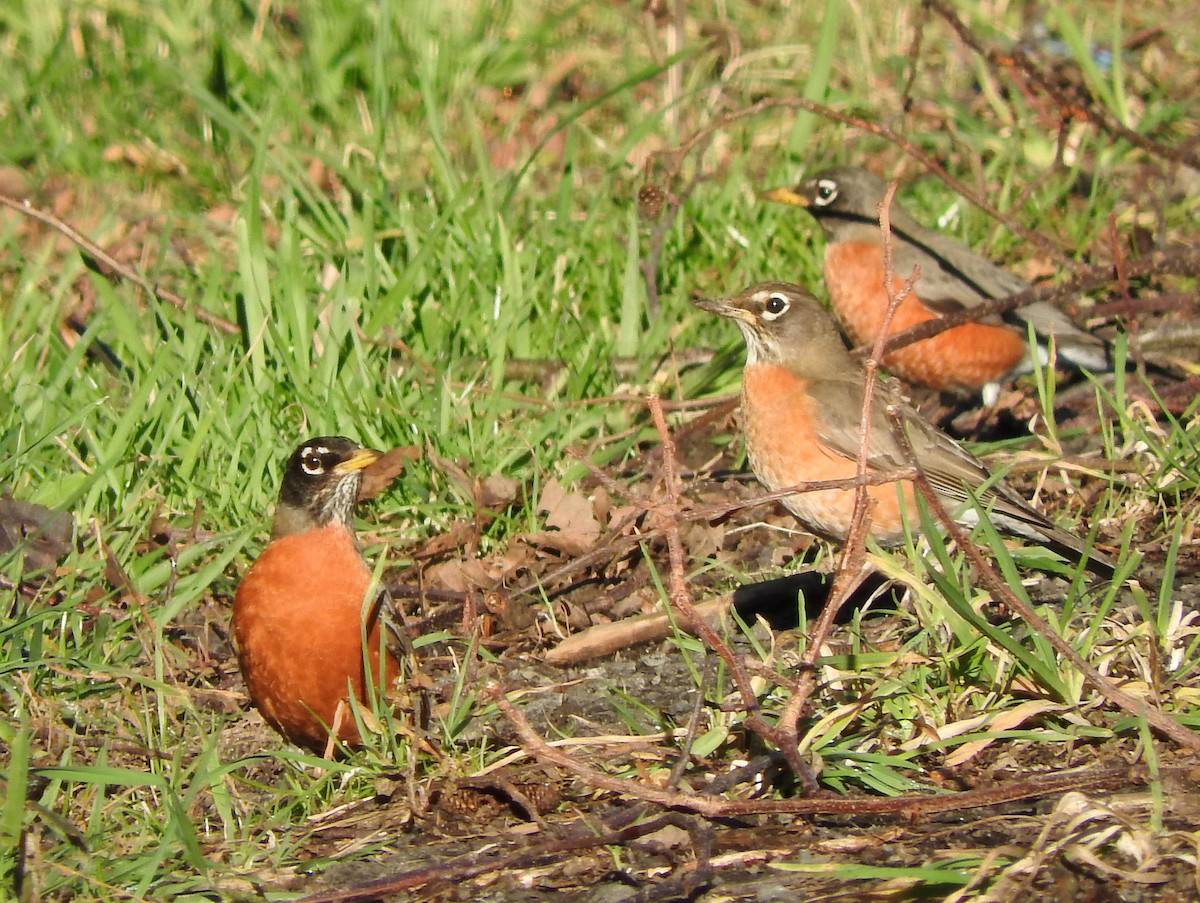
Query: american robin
column 973, row 356
column 802, row 401
column 299, row 617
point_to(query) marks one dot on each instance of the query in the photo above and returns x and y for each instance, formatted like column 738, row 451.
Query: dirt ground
column 531, row 829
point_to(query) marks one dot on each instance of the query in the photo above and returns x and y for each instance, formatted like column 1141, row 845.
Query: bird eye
column 776, row 306
column 311, row 463
column 826, row 191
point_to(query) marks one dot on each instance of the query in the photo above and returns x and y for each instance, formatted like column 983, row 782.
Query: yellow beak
column 360, row 460
column 787, row 196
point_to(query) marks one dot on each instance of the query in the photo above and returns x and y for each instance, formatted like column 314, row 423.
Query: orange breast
column 297, row 619
column 784, row 446
column 966, row 357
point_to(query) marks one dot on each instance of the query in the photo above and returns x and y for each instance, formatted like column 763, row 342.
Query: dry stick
column 605, row 639
column 852, row 567
column 92, row 249
column 676, row 14
column 679, row 596
column 715, row 807
column 693, row 725
column 486, row 860
column 875, row 128
column 851, row 570
column 1164, row 723
column 1097, row 116
column 1177, row 262
column 914, row 57
column 682, row 601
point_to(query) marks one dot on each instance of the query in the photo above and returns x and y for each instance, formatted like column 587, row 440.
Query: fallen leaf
column 43, row 534
column 15, row 182
column 571, row 515
column 485, row 572
column 460, row 575
column 496, row 491
column 378, row 476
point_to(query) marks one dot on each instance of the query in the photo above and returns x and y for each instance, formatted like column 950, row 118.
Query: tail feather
column 1066, row 544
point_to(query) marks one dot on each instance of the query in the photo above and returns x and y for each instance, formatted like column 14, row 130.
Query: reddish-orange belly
column 967, row 356
column 784, row 446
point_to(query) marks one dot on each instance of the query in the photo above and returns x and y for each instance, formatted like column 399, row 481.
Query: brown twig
column 681, row 600
column 605, row 639
column 852, row 567
column 914, row 59
column 1163, row 723
column 767, row 104
column 93, row 250
column 1019, row 63
column 1178, row 262
column 713, row 807
column 695, row 719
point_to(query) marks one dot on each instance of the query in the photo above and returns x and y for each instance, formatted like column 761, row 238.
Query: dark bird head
column 320, row 484
column 847, row 192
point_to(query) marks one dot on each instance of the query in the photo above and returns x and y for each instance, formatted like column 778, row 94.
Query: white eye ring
column 310, row 461
column 827, row 190
column 776, row 306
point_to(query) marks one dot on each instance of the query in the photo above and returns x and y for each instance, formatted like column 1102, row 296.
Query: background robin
column 802, row 401
column 298, row 617
column 844, row 201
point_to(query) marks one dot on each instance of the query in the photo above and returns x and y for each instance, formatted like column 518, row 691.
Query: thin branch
column 1177, row 262
column 715, row 807
column 852, row 567
column 91, row 249
column 1019, row 63
column 681, row 600
column 1184, row 736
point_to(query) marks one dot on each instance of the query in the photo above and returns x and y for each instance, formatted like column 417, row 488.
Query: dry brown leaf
column 618, row 513
column 145, row 156
column 496, row 491
column 43, row 533
column 487, row 572
column 378, row 476
column 460, row 575
column 15, row 182
column 571, row 518
column 703, row 539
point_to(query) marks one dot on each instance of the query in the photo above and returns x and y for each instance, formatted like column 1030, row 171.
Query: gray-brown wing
column 953, row 276
column 949, row 467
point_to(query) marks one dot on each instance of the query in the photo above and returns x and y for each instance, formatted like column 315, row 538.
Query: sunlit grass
column 394, row 203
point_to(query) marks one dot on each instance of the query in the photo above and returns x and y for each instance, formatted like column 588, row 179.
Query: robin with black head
column 802, row 405
column 299, row 617
column 974, row 356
